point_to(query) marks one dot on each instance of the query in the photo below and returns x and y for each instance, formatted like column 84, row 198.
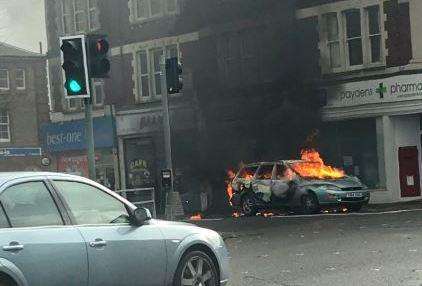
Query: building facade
column 23, row 108
column 370, row 70
column 242, row 89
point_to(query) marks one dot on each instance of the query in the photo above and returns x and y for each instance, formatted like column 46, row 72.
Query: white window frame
column 344, row 51
column 4, row 140
column 164, row 10
column 80, row 12
column 150, row 73
column 90, row 20
column 368, row 35
column 101, row 85
column 346, row 40
column 64, row 15
column 8, row 80
column 23, row 79
column 152, row 70
column 69, row 107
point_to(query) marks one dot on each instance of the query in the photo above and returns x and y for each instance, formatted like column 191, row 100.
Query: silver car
column 58, row 229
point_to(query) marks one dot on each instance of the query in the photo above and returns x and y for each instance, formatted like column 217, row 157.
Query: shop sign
column 20, row 152
column 74, row 165
column 66, row 136
column 393, row 89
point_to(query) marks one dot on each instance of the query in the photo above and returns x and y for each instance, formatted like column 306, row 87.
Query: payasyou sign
column 397, row 88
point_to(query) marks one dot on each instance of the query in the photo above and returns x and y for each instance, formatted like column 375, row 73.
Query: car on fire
column 296, row 185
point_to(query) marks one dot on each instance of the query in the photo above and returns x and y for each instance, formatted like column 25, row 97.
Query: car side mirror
column 141, row 215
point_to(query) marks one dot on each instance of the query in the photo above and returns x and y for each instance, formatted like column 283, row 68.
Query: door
column 36, row 239
column 280, row 187
column 118, row 253
column 263, row 181
column 409, row 171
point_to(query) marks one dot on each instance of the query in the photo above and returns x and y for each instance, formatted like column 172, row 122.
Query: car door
column 118, row 253
column 36, row 240
column 280, row 186
column 263, row 181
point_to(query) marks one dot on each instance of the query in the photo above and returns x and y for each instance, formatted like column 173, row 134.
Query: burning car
column 306, row 184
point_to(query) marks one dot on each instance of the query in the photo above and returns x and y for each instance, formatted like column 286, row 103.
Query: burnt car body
column 270, row 185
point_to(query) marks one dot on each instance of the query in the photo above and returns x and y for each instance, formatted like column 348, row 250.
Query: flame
column 196, row 217
column 229, row 189
column 314, row 167
column 236, row 214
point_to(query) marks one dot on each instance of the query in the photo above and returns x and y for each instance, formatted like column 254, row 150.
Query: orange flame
column 229, row 188
column 314, row 167
column 196, row 217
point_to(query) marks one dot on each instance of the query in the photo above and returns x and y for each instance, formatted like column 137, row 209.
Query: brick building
column 370, row 69
column 242, row 90
column 23, row 108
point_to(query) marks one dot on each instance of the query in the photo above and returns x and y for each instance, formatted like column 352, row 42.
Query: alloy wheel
column 198, row 272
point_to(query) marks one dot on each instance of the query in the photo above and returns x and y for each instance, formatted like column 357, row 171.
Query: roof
column 7, row 176
column 7, row 50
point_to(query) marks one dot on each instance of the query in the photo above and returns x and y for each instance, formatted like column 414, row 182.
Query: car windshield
column 316, row 170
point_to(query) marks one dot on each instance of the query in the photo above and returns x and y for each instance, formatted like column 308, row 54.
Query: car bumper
column 340, row 199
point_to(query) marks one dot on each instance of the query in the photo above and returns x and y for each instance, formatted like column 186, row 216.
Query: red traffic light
column 102, row 46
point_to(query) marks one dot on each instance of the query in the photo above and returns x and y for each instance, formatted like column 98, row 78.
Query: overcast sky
column 22, row 23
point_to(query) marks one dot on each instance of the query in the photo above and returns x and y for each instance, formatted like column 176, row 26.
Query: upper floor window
column 79, row 16
column 4, row 79
column 146, row 9
column 98, row 93
column 20, row 79
column 149, row 69
column 72, row 104
column 4, row 126
column 353, row 38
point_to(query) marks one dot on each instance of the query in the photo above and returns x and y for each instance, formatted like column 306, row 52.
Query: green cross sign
column 381, row 90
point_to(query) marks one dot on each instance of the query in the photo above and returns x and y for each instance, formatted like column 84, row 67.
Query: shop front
column 65, row 142
column 373, row 130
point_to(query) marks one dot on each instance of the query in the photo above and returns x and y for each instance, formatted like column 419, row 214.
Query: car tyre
column 196, row 268
column 355, row 207
column 248, row 206
column 310, row 204
column 6, row 281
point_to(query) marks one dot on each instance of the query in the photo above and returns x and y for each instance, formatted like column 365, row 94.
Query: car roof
column 7, row 176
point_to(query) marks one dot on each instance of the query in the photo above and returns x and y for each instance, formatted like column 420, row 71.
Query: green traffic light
column 75, row 86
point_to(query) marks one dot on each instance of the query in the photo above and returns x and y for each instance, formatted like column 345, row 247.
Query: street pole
column 174, row 206
column 89, row 132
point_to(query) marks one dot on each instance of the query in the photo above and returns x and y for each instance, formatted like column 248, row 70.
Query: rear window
column 247, row 172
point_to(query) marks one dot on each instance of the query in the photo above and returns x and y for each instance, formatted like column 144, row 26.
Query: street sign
column 20, row 152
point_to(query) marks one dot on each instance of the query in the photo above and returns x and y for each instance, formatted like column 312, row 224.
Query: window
column 30, row 205
column 4, row 79
column 354, row 37
column 333, row 40
column 157, row 56
column 94, row 22
column 20, row 79
column 99, row 93
column 247, row 172
column 230, row 55
column 80, row 15
column 4, row 126
column 143, row 73
column 265, row 172
column 4, row 223
column 373, row 15
column 149, row 69
column 71, row 103
column 280, row 172
column 145, row 9
column 67, row 10
column 90, row 205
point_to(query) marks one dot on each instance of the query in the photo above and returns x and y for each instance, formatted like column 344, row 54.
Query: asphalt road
column 373, row 249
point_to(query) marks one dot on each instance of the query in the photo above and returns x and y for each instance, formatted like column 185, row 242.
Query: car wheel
column 196, row 269
column 6, row 281
column 355, row 207
column 248, row 206
column 310, row 204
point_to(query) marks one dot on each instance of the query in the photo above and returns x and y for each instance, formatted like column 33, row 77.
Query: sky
column 22, row 23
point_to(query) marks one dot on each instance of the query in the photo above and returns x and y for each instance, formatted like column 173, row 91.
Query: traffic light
column 74, row 64
column 99, row 64
column 174, row 76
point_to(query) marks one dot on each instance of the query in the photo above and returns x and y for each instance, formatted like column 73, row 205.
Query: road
column 353, row 249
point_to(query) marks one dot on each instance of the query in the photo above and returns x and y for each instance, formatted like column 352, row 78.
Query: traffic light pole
column 174, row 206
column 89, row 130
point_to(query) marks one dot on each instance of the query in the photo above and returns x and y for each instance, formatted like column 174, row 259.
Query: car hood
column 343, row 183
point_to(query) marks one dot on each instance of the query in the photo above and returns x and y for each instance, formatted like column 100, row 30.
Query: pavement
column 380, row 246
